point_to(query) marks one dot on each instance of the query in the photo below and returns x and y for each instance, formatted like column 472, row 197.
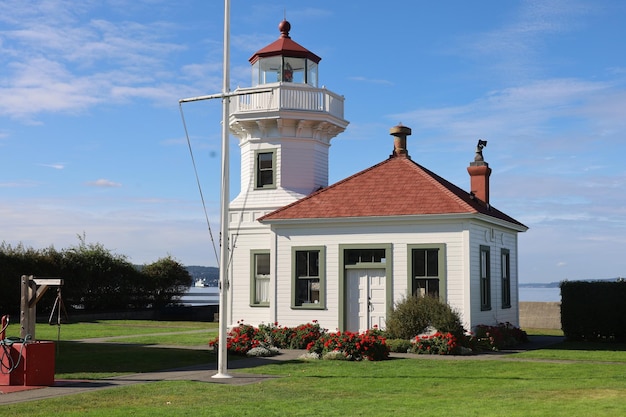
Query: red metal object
column 35, row 367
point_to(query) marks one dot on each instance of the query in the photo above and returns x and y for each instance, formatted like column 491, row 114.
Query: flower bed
column 435, row 344
column 353, row 346
column 497, row 337
column 291, row 337
column 263, row 341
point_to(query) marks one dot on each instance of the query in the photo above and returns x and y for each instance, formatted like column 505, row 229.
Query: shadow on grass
column 100, row 359
column 79, row 360
column 588, row 346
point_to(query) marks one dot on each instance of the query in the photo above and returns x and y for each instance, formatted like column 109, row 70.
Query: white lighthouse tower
column 284, row 123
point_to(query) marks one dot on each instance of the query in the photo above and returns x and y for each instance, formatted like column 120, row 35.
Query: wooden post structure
column 32, row 289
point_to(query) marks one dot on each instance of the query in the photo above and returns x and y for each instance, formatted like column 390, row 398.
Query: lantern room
column 284, row 61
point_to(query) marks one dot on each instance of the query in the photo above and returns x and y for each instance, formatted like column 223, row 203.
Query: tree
column 165, row 280
column 19, row 260
column 97, row 279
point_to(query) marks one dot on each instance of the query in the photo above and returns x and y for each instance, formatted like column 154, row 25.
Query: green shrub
column 412, row 315
column 291, row 337
column 399, row 345
column 594, row 310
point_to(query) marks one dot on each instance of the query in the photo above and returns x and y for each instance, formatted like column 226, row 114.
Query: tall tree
column 166, row 280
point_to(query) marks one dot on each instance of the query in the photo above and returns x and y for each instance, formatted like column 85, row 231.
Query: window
column 357, row 256
column 260, row 282
column 265, row 172
column 427, row 270
column 485, row 278
column 294, row 70
column 309, row 281
column 505, row 258
column 266, row 70
column 311, row 72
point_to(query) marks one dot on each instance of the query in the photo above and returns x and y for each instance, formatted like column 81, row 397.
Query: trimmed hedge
column 593, row 310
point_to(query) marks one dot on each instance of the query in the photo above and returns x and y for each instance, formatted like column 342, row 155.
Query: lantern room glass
column 284, row 69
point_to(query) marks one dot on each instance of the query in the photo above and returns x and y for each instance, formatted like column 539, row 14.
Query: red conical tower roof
column 285, row 46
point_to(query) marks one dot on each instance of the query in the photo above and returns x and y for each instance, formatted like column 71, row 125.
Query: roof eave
column 391, row 219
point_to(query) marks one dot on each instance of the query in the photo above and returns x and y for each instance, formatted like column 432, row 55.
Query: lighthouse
column 284, row 123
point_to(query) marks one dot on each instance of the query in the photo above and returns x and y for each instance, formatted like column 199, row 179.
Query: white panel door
column 366, row 304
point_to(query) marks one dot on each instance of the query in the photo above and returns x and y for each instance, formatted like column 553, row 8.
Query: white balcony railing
column 288, row 97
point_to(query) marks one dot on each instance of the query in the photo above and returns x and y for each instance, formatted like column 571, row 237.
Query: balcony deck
column 287, row 96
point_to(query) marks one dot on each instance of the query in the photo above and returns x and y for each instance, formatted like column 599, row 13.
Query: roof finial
column 284, row 28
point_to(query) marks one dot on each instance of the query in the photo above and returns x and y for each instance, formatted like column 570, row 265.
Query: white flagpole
column 222, row 354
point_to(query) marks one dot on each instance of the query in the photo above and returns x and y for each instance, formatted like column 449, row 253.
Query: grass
column 111, row 328
column 104, row 360
column 132, row 349
column 514, row 385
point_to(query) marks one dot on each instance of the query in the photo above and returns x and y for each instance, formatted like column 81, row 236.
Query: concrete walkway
column 205, row 372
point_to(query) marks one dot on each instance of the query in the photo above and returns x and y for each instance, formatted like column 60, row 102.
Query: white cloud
column 104, row 183
column 513, row 49
column 54, row 166
column 66, row 58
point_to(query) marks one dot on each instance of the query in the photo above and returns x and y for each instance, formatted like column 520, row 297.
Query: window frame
column 441, row 267
column 484, row 263
column 321, row 271
column 258, row 169
column 505, row 267
column 254, row 278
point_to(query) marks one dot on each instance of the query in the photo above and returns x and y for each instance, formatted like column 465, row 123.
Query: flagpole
column 222, row 354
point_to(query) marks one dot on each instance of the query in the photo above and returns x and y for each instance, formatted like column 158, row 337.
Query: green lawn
column 111, row 328
column 590, row 382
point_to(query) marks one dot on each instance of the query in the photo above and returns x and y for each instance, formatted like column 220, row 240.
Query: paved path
column 205, row 372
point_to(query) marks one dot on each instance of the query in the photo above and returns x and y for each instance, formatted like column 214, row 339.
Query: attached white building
column 343, row 254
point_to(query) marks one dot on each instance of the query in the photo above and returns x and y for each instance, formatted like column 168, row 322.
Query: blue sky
column 91, row 138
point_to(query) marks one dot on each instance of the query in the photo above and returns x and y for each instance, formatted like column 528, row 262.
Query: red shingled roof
column 284, row 46
column 395, row 187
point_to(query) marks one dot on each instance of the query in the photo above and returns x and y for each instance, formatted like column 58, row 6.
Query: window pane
column 351, row 257
column 428, row 287
column 313, row 264
column 432, row 262
column 265, row 160
column 307, row 291
column 485, row 279
column 505, row 265
column 294, row 70
column 265, row 178
column 483, row 264
column 262, row 261
column 311, row 77
column 419, row 262
column 265, row 172
column 262, row 291
column 270, row 69
column 355, row 256
column 301, row 264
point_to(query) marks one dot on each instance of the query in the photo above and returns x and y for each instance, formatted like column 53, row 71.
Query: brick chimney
column 399, row 134
column 479, row 172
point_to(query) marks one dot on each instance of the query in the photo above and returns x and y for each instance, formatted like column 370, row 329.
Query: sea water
column 541, row 294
